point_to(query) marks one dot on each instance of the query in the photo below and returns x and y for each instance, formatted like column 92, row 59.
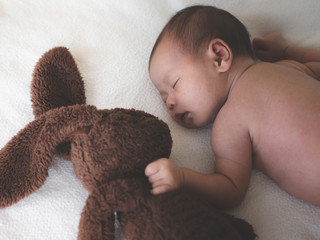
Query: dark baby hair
column 194, row 27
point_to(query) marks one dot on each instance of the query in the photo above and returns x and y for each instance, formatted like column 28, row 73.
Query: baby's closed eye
column 175, row 83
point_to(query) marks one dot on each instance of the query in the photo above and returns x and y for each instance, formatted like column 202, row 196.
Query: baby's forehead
column 173, row 48
column 168, row 44
column 165, row 51
column 168, row 49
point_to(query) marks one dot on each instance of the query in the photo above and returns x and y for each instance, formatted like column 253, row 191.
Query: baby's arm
column 227, row 186
column 166, row 176
column 273, row 47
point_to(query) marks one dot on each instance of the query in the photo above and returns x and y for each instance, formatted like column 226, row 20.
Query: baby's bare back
column 282, row 106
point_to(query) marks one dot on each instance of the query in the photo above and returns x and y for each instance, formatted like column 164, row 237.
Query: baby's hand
column 164, row 176
column 270, row 48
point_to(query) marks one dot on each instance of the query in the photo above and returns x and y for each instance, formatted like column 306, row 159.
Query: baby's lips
column 182, row 117
column 179, row 116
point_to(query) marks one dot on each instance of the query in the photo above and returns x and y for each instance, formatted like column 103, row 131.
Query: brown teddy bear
column 109, row 150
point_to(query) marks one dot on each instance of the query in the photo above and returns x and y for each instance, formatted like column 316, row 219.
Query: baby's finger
column 163, row 188
column 262, row 55
column 259, row 44
column 151, row 169
column 158, row 183
column 154, row 178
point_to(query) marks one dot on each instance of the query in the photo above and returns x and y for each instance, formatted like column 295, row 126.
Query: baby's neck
column 239, row 66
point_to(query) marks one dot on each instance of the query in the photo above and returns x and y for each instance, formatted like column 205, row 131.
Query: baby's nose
column 171, row 107
column 170, row 103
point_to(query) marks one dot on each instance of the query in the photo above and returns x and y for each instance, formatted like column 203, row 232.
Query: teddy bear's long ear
column 56, row 82
column 25, row 159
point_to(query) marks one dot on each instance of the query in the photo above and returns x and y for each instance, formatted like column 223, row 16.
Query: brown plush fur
column 109, row 150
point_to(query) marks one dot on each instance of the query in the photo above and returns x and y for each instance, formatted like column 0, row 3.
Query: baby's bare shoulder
column 230, row 119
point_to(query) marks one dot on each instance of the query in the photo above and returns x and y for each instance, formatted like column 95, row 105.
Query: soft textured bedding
column 111, row 42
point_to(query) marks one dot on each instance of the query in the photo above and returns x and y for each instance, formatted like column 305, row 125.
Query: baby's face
column 190, row 87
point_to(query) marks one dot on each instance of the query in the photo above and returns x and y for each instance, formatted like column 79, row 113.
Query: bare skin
column 265, row 115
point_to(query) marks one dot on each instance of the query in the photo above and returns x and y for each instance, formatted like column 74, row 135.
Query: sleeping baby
column 265, row 114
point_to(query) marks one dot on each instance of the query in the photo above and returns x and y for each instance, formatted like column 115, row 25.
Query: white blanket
column 111, row 42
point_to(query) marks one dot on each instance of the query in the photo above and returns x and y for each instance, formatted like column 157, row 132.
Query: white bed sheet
column 111, row 42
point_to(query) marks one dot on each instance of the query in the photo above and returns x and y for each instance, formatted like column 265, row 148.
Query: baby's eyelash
column 176, row 83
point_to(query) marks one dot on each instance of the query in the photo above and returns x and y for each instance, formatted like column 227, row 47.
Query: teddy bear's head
column 120, row 146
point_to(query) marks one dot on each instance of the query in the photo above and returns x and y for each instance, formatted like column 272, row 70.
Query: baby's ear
column 25, row 159
column 220, row 54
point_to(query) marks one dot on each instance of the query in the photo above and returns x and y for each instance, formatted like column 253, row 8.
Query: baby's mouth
column 181, row 117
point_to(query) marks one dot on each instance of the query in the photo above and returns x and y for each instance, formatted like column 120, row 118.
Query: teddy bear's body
column 109, row 150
